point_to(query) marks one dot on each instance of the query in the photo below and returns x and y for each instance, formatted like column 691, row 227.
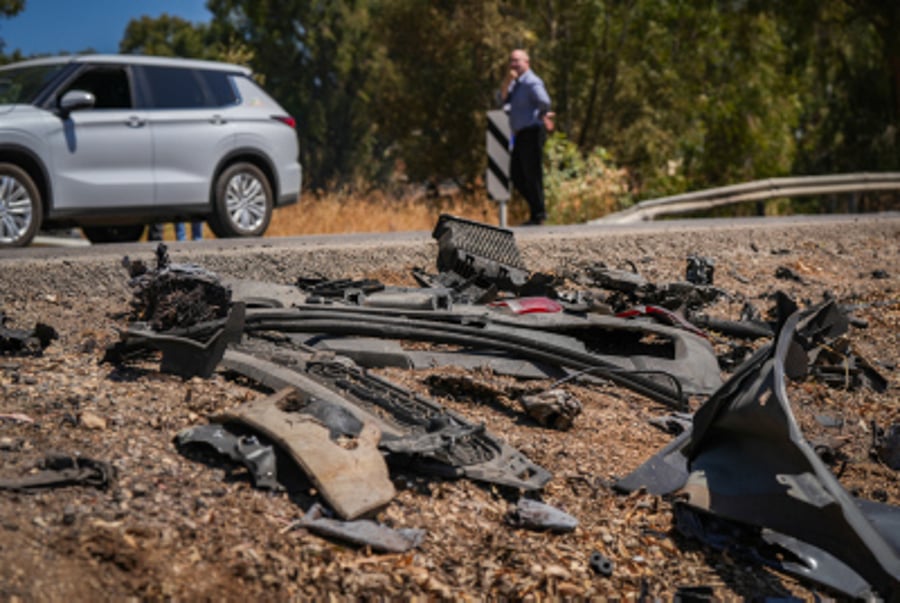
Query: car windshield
column 22, row 84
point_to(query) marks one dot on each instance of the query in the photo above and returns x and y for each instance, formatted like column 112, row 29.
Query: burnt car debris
column 258, row 458
column 741, row 475
column 360, row 532
column 537, row 515
column 24, row 342
column 59, row 470
column 744, row 466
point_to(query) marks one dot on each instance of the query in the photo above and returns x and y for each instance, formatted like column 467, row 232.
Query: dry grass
column 332, row 213
column 319, row 212
column 344, row 212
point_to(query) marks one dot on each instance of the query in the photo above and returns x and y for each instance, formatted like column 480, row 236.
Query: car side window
column 109, row 85
column 174, row 88
column 219, row 85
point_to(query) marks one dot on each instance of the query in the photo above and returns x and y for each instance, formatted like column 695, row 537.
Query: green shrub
column 579, row 188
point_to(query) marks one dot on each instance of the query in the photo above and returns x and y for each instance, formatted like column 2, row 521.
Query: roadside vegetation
column 652, row 98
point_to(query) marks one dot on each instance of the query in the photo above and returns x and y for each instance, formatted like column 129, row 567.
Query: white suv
column 113, row 142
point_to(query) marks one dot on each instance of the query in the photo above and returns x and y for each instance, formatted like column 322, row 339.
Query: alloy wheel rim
column 245, row 202
column 15, row 210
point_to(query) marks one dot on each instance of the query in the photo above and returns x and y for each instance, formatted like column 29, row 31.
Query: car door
column 102, row 157
column 190, row 134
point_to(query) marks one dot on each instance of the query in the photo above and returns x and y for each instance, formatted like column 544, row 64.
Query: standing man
column 527, row 103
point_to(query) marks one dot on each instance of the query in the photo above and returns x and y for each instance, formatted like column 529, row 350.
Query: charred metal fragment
column 339, row 421
column 258, row 458
column 700, row 270
column 337, row 288
column 455, row 446
column 743, row 329
column 22, row 342
column 746, row 462
column 837, row 364
column 57, row 470
column 751, row 544
column 785, row 273
column 536, row 515
column 556, row 408
column 399, row 414
column 629, row 289
column 370, row 352
column 624, row 281
column 175, row 295
column 477, row 261
column 436, row 443
column 402, row 298
column 187, row 357
column 260, row 294
column 601, row 564
column 675, row 423
column 663, row 473
column 886, row 445
column 354, row 479
column 654, row 360
column 361, row 532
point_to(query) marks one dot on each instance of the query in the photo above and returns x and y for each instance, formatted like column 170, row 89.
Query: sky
column 54, row 26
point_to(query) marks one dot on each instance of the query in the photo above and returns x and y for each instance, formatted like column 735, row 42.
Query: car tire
column 113, row 234
column 243, row 202
column 21, row 210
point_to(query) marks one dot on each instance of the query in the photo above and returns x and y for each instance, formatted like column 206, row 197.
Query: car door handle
column 135, row 122
column 217, row 120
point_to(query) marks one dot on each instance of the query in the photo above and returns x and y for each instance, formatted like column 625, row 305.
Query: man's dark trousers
column 527, row 169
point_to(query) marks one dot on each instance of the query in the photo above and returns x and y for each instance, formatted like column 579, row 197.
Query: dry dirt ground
column 173, row 528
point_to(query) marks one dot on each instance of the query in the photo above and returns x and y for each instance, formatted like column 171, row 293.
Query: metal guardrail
column 758, row 190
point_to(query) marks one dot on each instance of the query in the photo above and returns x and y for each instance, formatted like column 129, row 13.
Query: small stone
column 606, row 536
column 69, row 515
column 92, row 421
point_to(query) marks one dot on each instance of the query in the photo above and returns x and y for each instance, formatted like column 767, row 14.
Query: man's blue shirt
column 526, row 101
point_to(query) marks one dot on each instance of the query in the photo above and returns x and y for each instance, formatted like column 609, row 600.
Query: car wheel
column 113, row 234
column 21, row 211
column 243, row 202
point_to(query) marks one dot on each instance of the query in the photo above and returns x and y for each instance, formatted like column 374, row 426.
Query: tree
column 444, row 63
column 686, row 95
column 167, row 36
column 848, row 54
column 10, row 8
column 316, row 57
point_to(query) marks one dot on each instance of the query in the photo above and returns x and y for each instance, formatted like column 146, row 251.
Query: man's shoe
column 534, row 222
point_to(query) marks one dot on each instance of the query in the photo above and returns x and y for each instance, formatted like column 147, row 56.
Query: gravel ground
column 171, row 527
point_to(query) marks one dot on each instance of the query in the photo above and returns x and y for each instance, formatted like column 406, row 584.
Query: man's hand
column 548, row 121
column 504, row 88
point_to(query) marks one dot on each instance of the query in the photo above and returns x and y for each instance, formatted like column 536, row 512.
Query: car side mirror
column 74, row 100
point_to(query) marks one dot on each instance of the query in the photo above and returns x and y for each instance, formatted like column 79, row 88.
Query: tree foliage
column 316, row 57
column 167, row 36
column 679, row 95
column 10, row 8
column 443, row 64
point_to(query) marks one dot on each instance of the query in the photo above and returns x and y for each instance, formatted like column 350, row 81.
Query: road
column 524, row 235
